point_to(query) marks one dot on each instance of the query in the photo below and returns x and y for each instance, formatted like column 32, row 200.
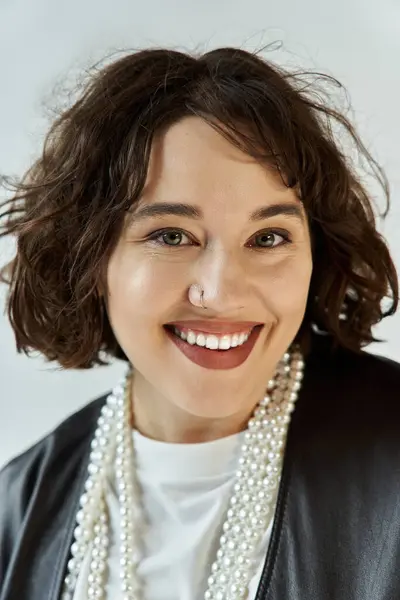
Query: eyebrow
column 194, row 212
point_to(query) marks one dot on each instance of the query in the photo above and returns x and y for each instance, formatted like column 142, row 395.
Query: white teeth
column 242, row 338
column 225, row 342
column 235, row 340
column 213, row 342
column 200, row 340
column 181, row 334
column 191, row 338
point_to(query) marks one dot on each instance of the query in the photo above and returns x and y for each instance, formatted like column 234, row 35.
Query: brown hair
column 68, row 210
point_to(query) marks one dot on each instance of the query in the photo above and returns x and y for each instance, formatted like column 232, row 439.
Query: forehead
column 192, row 162
column 196, row 173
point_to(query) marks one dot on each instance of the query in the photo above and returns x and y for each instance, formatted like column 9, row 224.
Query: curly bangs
column 67, row 212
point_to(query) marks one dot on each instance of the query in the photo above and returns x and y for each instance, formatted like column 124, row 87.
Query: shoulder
column 23, row 480
column 343, row 364
column 369, row 371
column 357, row 386
column 70, row 436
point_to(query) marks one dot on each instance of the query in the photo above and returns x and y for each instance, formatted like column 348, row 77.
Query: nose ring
column 202, row 299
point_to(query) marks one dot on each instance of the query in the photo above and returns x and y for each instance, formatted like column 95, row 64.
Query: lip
column 216, row 359
column 216, row 327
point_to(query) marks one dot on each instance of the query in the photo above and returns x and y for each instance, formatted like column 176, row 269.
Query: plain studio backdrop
column 46, row 43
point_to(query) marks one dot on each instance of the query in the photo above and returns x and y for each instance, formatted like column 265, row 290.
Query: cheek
column 139, row 288
column 286, row 288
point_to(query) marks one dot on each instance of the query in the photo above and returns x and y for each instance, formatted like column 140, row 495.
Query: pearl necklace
column 248, row 514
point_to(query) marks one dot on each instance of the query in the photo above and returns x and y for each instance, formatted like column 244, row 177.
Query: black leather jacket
column 336, row 534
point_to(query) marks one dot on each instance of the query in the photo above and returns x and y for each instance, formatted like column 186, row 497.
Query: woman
column 197, row 477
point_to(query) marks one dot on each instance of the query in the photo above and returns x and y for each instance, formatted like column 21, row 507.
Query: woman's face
column 251, row 269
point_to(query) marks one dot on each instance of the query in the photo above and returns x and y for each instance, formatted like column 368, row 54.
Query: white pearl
column 89, row 485
column 70, row 581
column 239, row 574
column 84, row 499
column 81, row 516
column 78, row 533
column 75, row 549
column 93, row 469
column 249, row 509
column 246, row 547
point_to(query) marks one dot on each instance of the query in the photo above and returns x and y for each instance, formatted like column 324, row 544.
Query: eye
column 271, row 239
column 174, row 238
column 168, row 237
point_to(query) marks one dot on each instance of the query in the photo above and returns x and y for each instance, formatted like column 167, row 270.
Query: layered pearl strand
column 248, row 514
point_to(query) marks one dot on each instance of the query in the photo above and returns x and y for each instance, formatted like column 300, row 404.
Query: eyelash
column 156, row 235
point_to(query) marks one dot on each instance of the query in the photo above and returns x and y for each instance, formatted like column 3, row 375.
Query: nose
column 223, row 281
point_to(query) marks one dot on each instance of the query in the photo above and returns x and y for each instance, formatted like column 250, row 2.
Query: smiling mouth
column 210, row 341
column 213, row 357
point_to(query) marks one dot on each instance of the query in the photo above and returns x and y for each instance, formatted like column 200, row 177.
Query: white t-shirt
column 186, row 490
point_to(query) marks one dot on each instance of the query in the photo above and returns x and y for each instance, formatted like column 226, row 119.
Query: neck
column 157, row 418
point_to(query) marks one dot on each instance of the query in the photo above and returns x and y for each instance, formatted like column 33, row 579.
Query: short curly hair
column 68, row 210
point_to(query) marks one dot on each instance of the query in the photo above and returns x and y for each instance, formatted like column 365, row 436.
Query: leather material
column 336, row 534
